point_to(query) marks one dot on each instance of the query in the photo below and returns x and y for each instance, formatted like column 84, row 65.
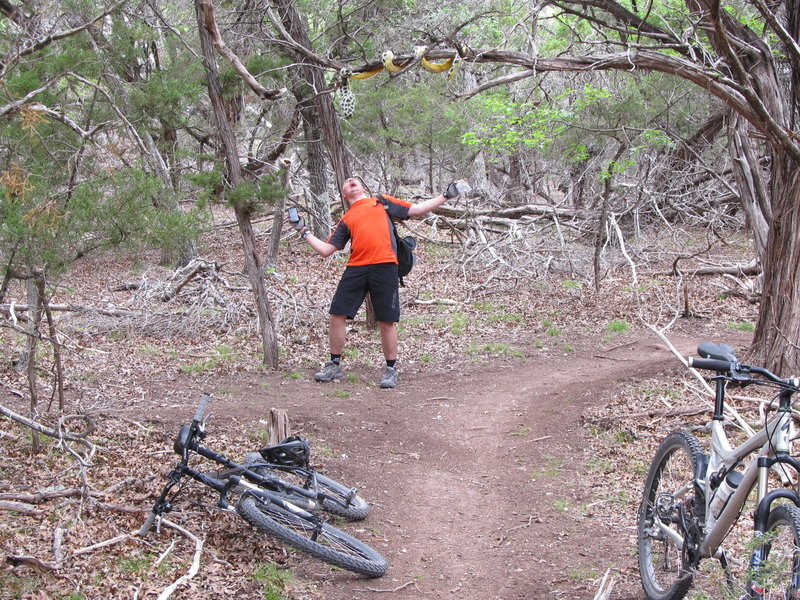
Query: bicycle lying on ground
column 291, row 458
column 277, row 507
column 692, row 499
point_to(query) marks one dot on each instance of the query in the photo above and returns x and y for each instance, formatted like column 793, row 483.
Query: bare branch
column 209, row 20
column 49, row 39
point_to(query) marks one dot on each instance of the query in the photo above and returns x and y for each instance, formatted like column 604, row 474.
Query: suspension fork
column 765, row 498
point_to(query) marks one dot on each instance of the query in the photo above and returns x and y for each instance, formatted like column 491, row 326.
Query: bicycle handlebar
column 735, row 370
column 710, row 364
column 201, row 409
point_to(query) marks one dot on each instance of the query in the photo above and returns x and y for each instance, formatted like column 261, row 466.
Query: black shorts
column 380, row 281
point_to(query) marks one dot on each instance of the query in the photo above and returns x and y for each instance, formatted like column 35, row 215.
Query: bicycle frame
column 772, row 439
column 188, row 441
column 684, row 518
column 223, row 487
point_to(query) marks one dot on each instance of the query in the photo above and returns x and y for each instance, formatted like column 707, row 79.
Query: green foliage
column 745, row 326
column 43, row 227
column 407, row 118
column 255, row 195
column 497, row 349
column 295, row 375
column 275, row 582
column 168, row 95
column 571, row 284
column 512, row 126
column 618, row 326
column 20, row 586
column 459, row 323
column 220, row 355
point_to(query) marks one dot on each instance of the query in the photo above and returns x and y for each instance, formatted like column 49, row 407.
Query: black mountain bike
column 279, row 508
column 291, row 460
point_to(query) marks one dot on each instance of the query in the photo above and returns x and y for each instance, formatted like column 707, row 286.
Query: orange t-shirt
column 366, row 226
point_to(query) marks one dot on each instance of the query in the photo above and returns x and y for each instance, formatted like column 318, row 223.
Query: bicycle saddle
column 717, row 351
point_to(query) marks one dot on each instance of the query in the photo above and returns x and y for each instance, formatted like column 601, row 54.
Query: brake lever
column 740, row 373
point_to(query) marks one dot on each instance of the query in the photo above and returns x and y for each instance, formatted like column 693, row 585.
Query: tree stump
column 278, row 426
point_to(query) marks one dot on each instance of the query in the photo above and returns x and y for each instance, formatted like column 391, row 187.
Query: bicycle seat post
column 719, row 399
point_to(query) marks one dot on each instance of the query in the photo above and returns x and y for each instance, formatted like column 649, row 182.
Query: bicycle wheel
column 340, row 500
column 776, row 564
column 313, row 537
column 667, row 569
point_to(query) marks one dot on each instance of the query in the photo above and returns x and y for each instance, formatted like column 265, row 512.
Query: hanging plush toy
column 388, row 62
column 366, row 74
column 347, row 99
column 433, row 67
column 457, row 60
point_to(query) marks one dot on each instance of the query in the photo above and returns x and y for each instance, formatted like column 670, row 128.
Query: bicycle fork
column 766, row 499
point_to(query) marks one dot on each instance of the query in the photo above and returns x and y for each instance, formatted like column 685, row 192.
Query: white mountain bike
column 692, row 499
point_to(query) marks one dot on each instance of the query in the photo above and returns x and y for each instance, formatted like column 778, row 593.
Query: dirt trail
column 474, row 475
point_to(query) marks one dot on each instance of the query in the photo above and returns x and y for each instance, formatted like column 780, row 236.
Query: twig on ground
column 103, row 544
column 397, row 589
column 194, row 569
column 524, row 525
column 606, row 587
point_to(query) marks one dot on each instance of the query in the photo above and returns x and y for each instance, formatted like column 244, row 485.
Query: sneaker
column 389, row 378
column 329, row 372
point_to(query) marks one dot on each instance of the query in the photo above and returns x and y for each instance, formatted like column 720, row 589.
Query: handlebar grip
column 201, row 409
column 710, row 364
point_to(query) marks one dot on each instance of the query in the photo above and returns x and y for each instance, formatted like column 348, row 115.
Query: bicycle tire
column 777, row 573
column 665, row 570
column 339, row 502
column 354, row 509
column 318, row 539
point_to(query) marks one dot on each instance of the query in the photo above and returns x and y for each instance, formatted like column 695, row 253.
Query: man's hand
column 451, row 191
column 299, row 225
column 456, row 188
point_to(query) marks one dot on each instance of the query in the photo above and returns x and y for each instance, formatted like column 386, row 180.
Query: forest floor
column 507, row 464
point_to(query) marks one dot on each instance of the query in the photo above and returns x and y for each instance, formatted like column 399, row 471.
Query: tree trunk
column 266, row 323
column 274, row 242
column 320, row 207
column 35, row 286
column 323, row 102
column 753, row 195
column 778, row 329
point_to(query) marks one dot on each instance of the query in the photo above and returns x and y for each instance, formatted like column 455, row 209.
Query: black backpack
column 404, row 247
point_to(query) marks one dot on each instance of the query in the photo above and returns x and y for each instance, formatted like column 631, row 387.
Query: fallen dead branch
column 194, row 569
column 12, row 310
column 606, row 421
column 40, row 497
column 605, row 589
column 60, row 435
column 23, row 508
column 751, row 268
column 30, row 561
column 103, row 544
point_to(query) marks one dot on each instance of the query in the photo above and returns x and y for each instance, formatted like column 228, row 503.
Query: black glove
column 451, row 191
column 299, row 225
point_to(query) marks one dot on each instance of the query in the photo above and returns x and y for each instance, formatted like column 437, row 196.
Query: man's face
column 353, row 188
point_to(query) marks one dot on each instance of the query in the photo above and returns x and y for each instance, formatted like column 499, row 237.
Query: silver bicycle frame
column 774, row 437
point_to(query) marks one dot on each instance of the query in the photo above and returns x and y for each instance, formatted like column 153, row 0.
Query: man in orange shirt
column 372, row 268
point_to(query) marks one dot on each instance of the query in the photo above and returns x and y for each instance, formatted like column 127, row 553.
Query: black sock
column 391, row 363
column 336, row 358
